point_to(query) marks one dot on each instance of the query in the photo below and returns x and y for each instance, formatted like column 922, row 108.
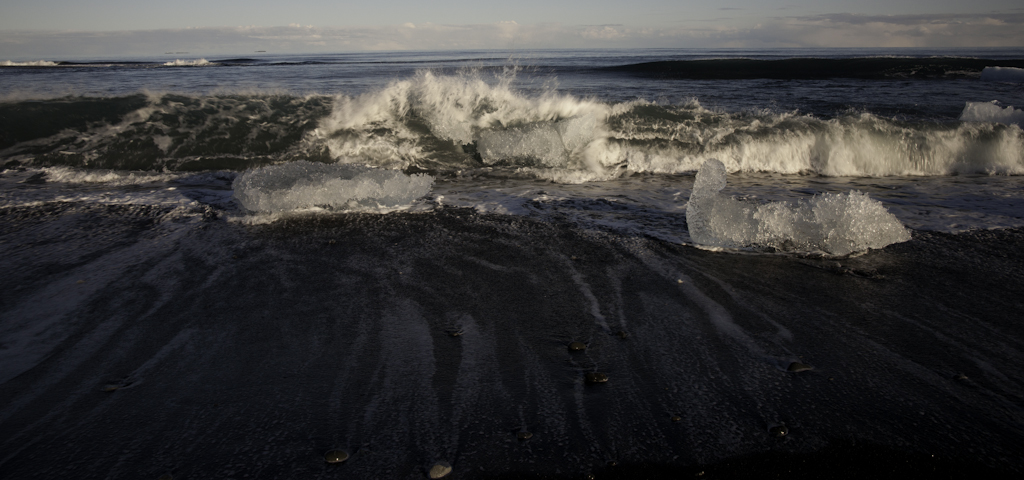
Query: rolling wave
column 447, row 124
column 816, row 68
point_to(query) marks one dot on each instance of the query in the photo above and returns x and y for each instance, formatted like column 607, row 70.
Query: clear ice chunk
column 837, row 224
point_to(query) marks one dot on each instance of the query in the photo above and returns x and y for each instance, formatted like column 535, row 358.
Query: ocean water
column 400, row 245
column 524, row 132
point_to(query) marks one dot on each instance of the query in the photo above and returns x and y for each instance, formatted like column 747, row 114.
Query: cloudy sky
column 34, row 29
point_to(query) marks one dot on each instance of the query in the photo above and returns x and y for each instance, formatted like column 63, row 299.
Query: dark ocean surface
column 226, row 267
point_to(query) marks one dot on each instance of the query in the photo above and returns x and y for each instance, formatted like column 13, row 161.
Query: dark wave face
column 816, row 68
column 173, row 132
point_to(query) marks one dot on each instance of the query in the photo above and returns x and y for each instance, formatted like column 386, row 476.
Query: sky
column 33, row 29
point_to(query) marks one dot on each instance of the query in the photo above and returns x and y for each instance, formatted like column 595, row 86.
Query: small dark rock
column 595, row 377
column 622, row 334
column 577, row 346
column 524, row 435
column 799, row 367
column 677, row 418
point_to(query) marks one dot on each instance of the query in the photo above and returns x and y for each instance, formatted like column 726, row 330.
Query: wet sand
column 140, row 341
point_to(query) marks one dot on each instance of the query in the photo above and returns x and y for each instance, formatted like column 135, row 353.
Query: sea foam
column 303, row 185
column 837, row 224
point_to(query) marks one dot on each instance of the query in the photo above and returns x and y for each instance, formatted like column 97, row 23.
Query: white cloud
column 832, row 30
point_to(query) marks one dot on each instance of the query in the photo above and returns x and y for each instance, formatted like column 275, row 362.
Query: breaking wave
column 452, row 124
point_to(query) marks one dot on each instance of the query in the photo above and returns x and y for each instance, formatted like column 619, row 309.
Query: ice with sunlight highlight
column 836, row 224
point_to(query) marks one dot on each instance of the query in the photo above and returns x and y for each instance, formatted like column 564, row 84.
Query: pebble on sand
column 778, row 431
column 524, row 435
column 595, row 377
column 336, row 456
column 577, row 346
column 676, row 418
column 440, row 469
column 799, row 367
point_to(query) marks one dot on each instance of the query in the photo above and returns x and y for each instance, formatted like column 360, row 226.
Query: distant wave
column 37, row 63
column 816, row 68
column 202, row 62
column 1003, row 74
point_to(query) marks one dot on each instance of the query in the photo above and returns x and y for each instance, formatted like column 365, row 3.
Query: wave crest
column 448, row 124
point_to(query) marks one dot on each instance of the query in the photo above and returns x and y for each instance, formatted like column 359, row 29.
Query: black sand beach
column 149, row 341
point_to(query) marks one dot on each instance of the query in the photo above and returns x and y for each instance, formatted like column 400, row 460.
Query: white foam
column 1003, row 74
column 108, row 177
column 791, row 143
column 991, row 112
column 202, row 62
column 565, row 138
column 385, row 127
column 37, row 63
column 837, row 224
column 303, row 185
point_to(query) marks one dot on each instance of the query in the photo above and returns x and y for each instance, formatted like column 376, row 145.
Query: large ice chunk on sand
column 837, row 224
column 300, row 185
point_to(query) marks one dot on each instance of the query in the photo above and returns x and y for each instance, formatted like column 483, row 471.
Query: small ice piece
column 301, row 184
column 838, row 224
column 1002, row 74
column 991, row 112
